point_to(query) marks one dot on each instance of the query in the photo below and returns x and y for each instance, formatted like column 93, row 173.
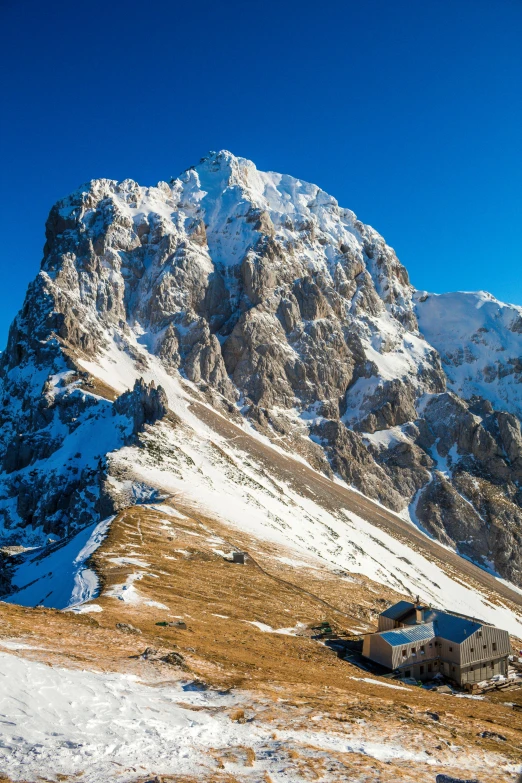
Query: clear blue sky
column 409, row 112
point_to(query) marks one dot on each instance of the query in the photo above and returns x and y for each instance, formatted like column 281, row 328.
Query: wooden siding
column 379, row 650
column 483, row 670
column 423, row 652
column 448, row 651
column 385, row 623
column 479, row 645
column 422, row 671
column 476, row 673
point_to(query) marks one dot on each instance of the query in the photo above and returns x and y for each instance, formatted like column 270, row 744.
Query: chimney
column 419, row 615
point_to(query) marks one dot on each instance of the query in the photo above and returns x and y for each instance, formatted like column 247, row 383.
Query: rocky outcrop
column 262, row 292
column 144, row 404
column 473, row 500
column 354, row 463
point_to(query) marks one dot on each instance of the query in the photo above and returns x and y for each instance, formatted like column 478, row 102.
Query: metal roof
column 441, row 625
column 412, row 633
column 397, row 610
column 454, row 629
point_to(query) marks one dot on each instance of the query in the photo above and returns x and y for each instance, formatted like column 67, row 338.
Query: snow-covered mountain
column 256, row 295
column 479, row 342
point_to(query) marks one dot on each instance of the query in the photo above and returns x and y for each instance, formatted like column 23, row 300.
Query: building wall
column 422, row 671
column 483, row 670
column 484, row 645
column 448, row 651
column 424, row 650
column 378, row 650
column 385, row 623
column 479, row 657
column 460, row 674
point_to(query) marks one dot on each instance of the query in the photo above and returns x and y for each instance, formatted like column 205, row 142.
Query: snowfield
column 61, row 721
column 93, row 726
column 479, row 340
column 241, row 494
column 58, row 576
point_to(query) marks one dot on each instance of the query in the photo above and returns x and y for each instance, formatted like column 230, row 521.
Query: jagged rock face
column 257, row 284
column 145, row 404
column 260, row 287
column 55, row 470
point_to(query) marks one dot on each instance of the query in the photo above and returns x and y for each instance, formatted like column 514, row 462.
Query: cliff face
column 279, row 305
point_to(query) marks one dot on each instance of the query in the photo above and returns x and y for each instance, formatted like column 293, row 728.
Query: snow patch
column 57, row 576
column 378, row 682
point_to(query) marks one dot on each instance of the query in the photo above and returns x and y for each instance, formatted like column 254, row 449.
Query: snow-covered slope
column 57, row 575
column 257, row 293
column 479, row 340
column 69, row 710
column 191, row 461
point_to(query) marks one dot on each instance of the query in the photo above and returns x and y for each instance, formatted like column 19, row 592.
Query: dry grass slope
column 290, row 683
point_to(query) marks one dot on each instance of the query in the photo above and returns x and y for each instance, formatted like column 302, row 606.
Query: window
column 471, row 668
column 404, row 653
column 430, row 667
column 414, row 651
column 471, row 649
column 483, row 646
column 422, row 669
column 479, row 633
column 451, row 649
column 494, row 645
column 422, row 649
column 431, row 644
column 452, row 668
column 407, row 673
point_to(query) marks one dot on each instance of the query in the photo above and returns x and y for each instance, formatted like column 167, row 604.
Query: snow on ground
column 248, row 499
column 128, row 561
column 115, row 367
column 379, row 682
column 15, row 644
column 268, row 628
column 242, row 494
column 57, row 576
column 294, row 563
column 96, row 431
column 90, row 725
column 55, row 720
column 386, row 439
column 157, row 605
column 167, row 510
column 127, row 591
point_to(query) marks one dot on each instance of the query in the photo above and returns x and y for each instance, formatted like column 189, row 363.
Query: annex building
column 419, row 641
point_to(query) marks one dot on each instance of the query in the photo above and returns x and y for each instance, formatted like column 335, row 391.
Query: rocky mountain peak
column 281, row 306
